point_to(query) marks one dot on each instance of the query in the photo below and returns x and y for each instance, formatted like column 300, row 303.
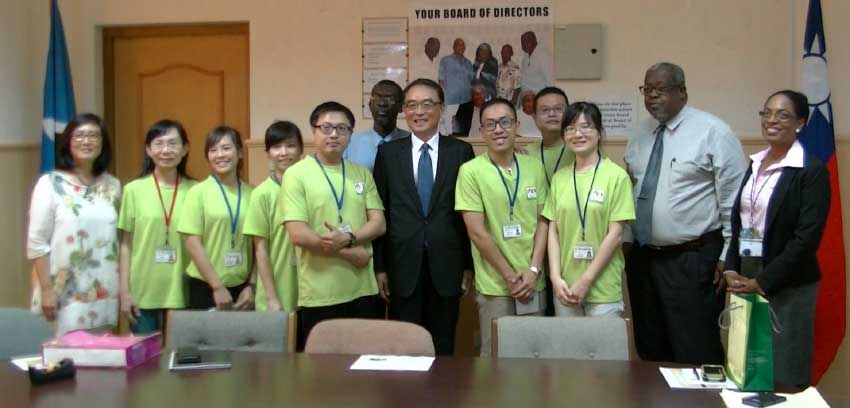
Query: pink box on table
column 102, row 350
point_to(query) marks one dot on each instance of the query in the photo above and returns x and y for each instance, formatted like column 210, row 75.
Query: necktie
column 646, row 197
column 425, row 175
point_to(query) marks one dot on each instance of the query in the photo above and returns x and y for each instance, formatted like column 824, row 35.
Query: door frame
column 111, row 34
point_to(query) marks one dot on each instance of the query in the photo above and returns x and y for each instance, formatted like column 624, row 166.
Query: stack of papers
column 810, row 398
column 691, row 378
column 392, row 363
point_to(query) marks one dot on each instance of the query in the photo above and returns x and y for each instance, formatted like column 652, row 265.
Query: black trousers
column 427, row 308
column 674, row 302
column 360, row 308
column 201, row 296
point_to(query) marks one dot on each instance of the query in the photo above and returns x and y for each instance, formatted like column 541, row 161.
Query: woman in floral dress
column 72, row 232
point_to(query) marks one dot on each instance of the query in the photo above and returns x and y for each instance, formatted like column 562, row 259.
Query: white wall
column 18, row 119
column 305, row 51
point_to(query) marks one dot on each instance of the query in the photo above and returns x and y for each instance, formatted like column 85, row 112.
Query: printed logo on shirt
column 531, row 192
column 359, row 187
column 597, row 196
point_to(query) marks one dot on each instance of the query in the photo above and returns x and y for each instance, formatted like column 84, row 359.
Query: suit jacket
column 463, row 120
column 399, row 252
column 794, row 224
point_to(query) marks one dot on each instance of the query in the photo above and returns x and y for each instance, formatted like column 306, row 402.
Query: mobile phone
column 713, row 373
column 188, row 355
column 763, row 399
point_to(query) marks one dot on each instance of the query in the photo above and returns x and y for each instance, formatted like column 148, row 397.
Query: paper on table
column 810, row 398
column 392, row 363
column 690, row 378
column 24, row 362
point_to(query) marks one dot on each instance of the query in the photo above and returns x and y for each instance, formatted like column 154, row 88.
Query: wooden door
column 194, row 73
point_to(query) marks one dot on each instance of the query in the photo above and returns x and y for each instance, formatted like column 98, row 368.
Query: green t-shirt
column 480, row 189
column 307, row 197
column 550, row 158
column 205, row 214
column 155, row 285
column 264, row 220
column 611, row 201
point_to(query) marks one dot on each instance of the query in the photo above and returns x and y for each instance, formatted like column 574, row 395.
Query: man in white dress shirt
column 536, row 67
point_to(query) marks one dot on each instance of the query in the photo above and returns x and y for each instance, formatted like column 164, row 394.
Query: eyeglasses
column 583, row 129
column 557, row 110
column 327, row 129
column 427, row 105
column 90, row 136
column 780, row 115
column 505, row 122
column 661, row 90
column 170, row 145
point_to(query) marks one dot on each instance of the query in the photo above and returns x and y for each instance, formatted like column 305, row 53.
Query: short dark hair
column 397, row 91
column 281, row 131
column 799, row 101
column 492, row 102
column 550, row 90
column 677, row 74
column 64, row 159
column 215, row 136
column 328, row 107
column 160, row 128
column 591, row 114
column 426, row 82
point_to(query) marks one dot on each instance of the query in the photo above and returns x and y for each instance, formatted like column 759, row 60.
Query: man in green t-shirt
column 501, row 195
column 550, row 153
column 332, row 212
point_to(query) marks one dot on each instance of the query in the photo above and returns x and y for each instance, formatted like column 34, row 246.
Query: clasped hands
column 335, row 243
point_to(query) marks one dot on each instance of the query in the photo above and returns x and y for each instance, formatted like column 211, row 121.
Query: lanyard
column 511, row 197
column 582, row 214
column 166, row 214
column 757, row 194
column 558, row 163
column 337, row 198
column 275, row 179
column 234, row 221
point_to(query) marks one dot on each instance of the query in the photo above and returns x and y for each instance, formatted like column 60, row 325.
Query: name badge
column 359, row 188
column 583, row 251
column 165, row 255
column 511, row 230
column 533, row 305
column 750, row 247
column 597, row 195
column 531, row 193
column 344, row 228
column 232, row 258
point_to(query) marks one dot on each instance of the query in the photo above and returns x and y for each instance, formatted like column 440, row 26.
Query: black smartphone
column 763, row 399
column 713, row 373
column 188, row 355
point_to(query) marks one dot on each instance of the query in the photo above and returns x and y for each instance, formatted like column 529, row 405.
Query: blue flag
column 58, row 91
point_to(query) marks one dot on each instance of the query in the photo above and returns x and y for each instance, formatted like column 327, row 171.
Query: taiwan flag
column 58, row 92
column 818, row 138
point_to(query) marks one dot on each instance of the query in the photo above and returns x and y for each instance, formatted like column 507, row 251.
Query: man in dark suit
column 423, row 264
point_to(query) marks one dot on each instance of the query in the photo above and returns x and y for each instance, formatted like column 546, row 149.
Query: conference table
column 302, row 380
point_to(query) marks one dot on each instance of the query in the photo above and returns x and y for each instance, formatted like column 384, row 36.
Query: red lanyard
column 167, row 215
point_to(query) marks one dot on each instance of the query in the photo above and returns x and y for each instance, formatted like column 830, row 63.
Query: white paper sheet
column 392, row 363
column 810, row 398
column 24, row 362
column 691, row 378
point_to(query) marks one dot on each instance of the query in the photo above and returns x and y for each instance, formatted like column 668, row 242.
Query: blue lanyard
column 511, row 197
column 275, row 179
column 582, row 214
column 337, row 198
column 234, row 221
column 557, row 163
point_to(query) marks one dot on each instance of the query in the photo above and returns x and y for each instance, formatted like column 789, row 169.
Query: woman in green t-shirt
column 589, row 205
column 220, row 271
column 152, row 255
column 277, row 287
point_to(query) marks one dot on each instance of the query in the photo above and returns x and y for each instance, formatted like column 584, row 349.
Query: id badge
column 533, row 305
column 597, row 196
column 582, row 251
column 750, row 247
column 232, row 258
column 511, row 230
column 165, row 255
column 344, row 228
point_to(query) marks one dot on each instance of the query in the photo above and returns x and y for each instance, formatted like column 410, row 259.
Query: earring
column 798, row 131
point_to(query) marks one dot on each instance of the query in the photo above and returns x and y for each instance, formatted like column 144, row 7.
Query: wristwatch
column 351, row 239
column 536, row 271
